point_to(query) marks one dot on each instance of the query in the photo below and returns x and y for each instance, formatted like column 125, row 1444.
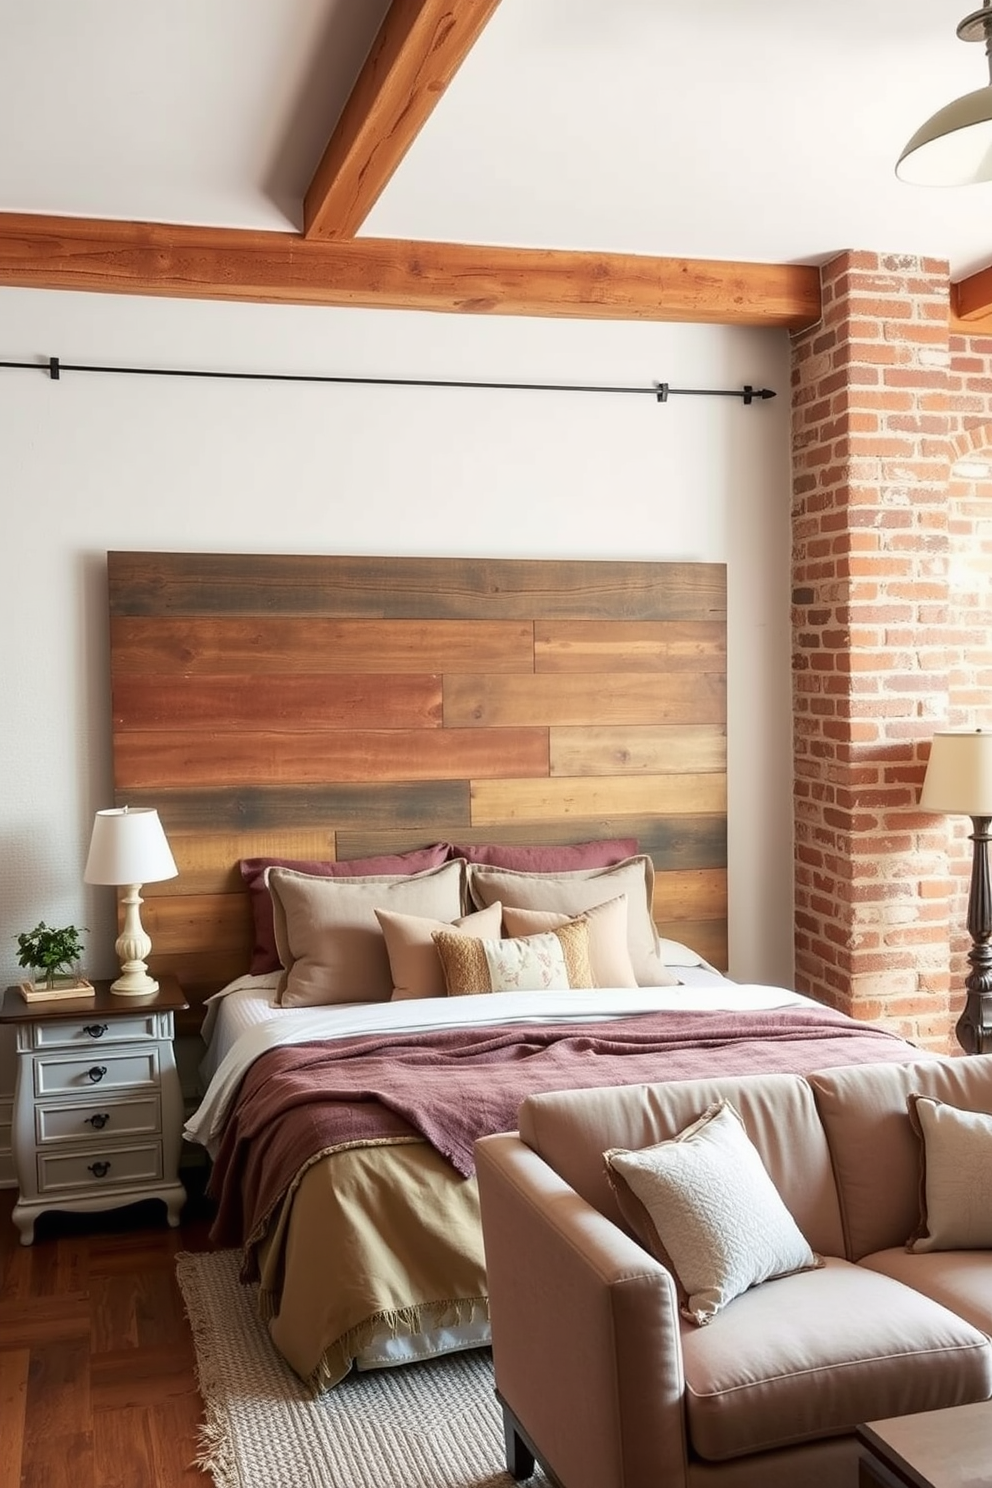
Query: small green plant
column 47, row 950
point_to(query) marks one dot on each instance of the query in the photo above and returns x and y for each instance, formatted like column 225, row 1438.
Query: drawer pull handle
column 99, row 1120
column 97, row 1073
column 99, row 1169
column 95, row 1030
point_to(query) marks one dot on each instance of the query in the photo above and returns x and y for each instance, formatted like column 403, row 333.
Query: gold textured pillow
column 704, row 1205
column 955, row 1177
column 574, row 892
column 413, row 958
column 551, row 962
column 608, row 953
column 328, row 937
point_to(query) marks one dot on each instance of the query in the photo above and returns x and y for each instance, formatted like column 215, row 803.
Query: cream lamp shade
column 958, row 781
column 129, row 848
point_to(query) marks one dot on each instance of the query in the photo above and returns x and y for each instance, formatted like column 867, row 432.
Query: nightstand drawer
column 105, row 1070
column 85, row 1031
column 114, row 1167
column 97, row 1123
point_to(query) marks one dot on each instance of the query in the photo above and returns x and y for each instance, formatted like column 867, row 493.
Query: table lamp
column 958, row 782
column 128, row 848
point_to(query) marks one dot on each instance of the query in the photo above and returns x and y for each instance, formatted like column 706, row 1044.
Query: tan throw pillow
column 704, row 1205
column 573, row 893
column 955, row 1177
column 328, row 937
column 608, row 954
column 413, row 958
column 552, row 962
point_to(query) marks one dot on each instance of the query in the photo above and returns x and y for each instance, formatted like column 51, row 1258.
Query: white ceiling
column 687, row 128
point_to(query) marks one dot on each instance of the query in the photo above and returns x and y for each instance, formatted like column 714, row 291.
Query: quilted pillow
column 552, row 962
column 413, row 958
column 607, row 922
column 548, row 858
column 704, row 1205
column 264, row 956
column 955, row 1177
column 574, row 892
column 328, row 937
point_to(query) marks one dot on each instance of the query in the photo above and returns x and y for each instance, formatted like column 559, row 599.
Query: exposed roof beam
column 419, row 48
column 229, row 264
column 971, row 304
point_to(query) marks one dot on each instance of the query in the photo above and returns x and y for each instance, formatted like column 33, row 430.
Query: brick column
column 871, row 668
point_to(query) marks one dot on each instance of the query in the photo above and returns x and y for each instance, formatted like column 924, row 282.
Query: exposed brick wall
column 892, row 635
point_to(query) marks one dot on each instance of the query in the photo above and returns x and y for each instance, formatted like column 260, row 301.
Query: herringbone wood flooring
column 97, row 1385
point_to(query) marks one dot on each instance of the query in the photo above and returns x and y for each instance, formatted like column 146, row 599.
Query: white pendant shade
column 958, row 781
column 954, row 148
column 129, row 846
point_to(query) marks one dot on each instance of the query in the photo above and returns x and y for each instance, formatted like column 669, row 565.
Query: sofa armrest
column 585, row 1325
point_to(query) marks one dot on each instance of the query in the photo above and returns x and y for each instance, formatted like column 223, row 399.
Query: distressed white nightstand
column 98, row 1109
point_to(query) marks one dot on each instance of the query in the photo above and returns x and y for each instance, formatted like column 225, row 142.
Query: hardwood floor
column 97, row 1384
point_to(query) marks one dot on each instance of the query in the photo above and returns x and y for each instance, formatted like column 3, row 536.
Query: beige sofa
column 603, row 1380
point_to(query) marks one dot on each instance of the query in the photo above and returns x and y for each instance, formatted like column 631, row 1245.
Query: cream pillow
column 608, row 954
column 704, row 1205
column 955, row 1177
column 328, row 937
column 575, row 892
column 552, row 962
column 414, row 962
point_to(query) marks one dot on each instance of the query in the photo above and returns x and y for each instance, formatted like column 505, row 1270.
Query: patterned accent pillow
column 704, row 1205
column 413, row 958
column 608, row 954
column 551, row 962
column 955, row 1177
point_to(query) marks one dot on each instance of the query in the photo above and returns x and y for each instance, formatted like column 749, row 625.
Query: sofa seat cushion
column 958, row 1279
column 813, row 1354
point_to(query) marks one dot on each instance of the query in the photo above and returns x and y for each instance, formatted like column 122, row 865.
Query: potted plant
column 50, row 951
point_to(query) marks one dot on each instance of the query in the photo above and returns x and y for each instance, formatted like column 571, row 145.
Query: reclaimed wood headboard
column 336, row 707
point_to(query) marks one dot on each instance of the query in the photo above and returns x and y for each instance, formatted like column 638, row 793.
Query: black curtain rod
column 661, row 391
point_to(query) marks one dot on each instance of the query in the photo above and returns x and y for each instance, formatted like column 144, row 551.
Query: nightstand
column 98, row 1110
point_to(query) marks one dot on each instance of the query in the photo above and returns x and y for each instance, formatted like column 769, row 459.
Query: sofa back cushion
column 572, row 1129
column 875, row 1152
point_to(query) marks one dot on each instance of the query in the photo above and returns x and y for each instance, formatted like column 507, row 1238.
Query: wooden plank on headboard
column 337, row 707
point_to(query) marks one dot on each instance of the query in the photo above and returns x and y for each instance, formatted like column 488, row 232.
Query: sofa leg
column 519, row 1457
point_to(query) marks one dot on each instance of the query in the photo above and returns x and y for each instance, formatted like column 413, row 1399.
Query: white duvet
column 270, row 1027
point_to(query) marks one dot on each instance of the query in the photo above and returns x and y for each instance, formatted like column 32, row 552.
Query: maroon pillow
column 264, row 956
column 549, row 859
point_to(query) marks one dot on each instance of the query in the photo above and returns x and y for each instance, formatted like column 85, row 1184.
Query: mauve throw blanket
column 452, row 1086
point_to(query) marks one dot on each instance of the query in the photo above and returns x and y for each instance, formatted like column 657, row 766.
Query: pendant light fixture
column 954, row 147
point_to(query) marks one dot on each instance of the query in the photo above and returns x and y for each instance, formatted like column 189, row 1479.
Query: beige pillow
column 575, row 892
column 704, row 1205
column 955, row 1177
column 551, row 962
column 328, row 937
column 608, row 954
column 413, row 959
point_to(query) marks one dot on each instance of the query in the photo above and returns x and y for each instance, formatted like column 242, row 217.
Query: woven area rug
column 431, row 1425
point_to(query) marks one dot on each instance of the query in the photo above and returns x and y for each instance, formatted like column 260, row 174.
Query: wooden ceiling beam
column 971, row 304
column 214, row 263
column 419, row 48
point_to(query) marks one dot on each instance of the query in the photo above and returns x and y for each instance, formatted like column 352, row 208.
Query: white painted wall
column 91, row 463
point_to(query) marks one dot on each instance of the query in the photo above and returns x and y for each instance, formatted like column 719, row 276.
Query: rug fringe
column 216, row 1454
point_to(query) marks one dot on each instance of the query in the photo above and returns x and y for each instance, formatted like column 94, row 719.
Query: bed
column 437, row 740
